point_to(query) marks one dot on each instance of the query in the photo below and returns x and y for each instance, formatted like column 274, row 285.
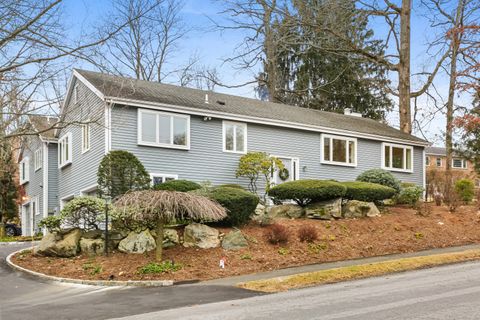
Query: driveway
column 24, row 297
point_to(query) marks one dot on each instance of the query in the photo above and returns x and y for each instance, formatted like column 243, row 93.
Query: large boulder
column 286, row 211
column 359, row 209
column 92, row 247
column 325, row 210
column 62, row 244
column 93, row 234
column 234, row 240
column 260, row 210
column 137, row 242
column 170, row 238
column 201, row 236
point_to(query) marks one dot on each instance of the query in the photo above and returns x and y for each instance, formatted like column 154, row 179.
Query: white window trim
column 162, row 145
column 35, row 200
column 60, row 150
column 89, row 131
column 384, row 144
column 65, row 200
column 38, row 159
column 162, row 175
column 88, row 189
column 224, row 136
column 441, row 161
column 24, row 172
column 463, row 162
column 336, row 163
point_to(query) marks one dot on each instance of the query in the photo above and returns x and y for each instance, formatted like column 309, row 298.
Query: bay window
column 397, row 157
column 160, row 129
column 338, row 150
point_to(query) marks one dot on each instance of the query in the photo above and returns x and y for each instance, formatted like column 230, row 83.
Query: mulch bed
column 399, row 230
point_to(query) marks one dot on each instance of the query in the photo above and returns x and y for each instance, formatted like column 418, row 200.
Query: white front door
column 289, row 173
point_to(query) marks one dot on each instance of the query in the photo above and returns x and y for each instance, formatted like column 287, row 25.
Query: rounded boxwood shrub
column 380, row 176
column 304, row 192
column 240, row 204
column 366, row 191
column 465, row 189
column 86, row 213
column 178, row 185
column 410, row 195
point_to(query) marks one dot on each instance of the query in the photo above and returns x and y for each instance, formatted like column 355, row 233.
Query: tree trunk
column 159, row 241
column 270, row 52
column 454, row 47
column 404, row 69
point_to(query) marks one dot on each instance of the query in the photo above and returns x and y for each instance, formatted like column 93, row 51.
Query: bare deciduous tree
column 143, row 47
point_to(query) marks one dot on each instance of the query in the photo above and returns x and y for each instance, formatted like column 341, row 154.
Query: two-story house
column 183, row 133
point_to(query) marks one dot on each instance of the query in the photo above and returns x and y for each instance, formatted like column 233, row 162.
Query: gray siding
column 53, row 199
column 34, row 188
column 82, row 173
column 206, row 161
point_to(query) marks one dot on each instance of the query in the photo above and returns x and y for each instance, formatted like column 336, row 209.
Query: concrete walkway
column 231, row 281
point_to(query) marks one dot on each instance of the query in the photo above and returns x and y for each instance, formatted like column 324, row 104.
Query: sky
column 212, row 47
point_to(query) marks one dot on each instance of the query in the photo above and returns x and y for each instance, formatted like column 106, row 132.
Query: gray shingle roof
column 45, row 126
column 127, row 88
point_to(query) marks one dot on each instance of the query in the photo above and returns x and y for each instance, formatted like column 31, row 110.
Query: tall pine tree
column 8, row 187
column 318, row 71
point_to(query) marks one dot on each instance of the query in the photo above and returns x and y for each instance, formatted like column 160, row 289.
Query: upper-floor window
column 159, row 178
column 24, row 170
column 397, row 157
column 438, row 162
column 38, row 159
column 161, row 129
column 459, row 163
column 338, row 150
column 65, row 150
column 234, row 137
column 85, row 137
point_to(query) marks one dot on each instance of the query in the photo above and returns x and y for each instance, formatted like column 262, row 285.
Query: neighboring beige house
column 436, row 164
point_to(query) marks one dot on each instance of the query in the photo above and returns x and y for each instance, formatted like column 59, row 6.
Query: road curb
column 12, row 243
column 104, row 283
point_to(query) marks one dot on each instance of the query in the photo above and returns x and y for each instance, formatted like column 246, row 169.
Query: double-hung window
column 65, row 150
column 38, row 159
column 161, row 129
column 159, row 178
column 234, row 137
column 397, row 157
column 338, row 150
column 438, row 162
column 85, row 137
column 24, row 170
column 458, row 163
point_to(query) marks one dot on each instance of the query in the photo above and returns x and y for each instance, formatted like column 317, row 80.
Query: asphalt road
column 449, row 292
column 23, row 297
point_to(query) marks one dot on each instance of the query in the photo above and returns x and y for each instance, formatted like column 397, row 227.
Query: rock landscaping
column 246, row 249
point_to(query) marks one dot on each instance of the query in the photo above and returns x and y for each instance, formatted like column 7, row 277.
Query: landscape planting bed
column 400, row 230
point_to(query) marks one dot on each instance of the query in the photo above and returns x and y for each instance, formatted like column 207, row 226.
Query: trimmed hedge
column 240, row 204
column 178, row 185
column 366, row 191
column 380, row 176
column 304, row 192
column 231, row 185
